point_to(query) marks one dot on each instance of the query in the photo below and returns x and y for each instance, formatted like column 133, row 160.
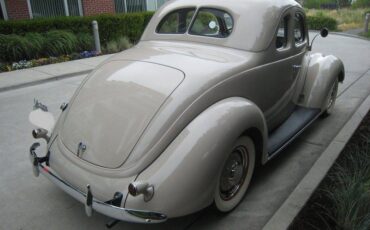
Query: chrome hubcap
column 233, row 173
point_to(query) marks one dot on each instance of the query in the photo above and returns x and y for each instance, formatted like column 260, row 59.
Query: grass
column 366, row 34
column 347, row 18
column 342, row 200
column 59, row 42
column 117, row 45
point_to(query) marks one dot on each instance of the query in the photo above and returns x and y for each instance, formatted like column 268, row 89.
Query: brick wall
column 92, row 7
column 17, row 9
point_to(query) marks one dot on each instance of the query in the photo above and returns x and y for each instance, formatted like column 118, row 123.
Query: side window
column 282, row 33
column 299, row 32
column 176, row 22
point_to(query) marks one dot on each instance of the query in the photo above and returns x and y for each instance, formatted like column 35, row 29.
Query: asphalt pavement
column 27, row 202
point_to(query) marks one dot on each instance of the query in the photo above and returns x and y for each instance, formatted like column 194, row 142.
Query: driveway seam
column 350, row 85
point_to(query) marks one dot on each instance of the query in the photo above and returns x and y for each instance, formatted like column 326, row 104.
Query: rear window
column 176, row 22
column 207, row 22
column 213, row 23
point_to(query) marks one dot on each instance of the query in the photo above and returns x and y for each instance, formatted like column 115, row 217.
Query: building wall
column 17, row 9
column 92, row 7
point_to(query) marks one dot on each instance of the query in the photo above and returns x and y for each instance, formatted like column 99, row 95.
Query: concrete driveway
column 27, row 202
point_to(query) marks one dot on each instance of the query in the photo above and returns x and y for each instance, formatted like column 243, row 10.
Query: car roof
column 255, row 22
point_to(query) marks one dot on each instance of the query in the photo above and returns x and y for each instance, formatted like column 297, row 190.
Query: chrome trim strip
column 118, row 213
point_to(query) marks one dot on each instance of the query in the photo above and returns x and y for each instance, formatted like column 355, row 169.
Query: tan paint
column 187, row 170
column 118, row 91
column 230, row 85
column 321, row 74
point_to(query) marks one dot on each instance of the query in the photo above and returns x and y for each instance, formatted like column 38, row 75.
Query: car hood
column 111, row 110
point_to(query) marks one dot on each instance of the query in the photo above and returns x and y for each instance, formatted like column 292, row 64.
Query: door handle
column 296, row 69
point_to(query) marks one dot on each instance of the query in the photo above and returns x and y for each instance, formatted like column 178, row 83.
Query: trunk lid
column 113, row 108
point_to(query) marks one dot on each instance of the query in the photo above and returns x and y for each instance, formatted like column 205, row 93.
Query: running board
column 298, row 121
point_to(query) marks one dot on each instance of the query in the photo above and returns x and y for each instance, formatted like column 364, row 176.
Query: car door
column 280, row 75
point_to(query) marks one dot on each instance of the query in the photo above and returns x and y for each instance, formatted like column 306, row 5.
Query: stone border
column 286, row 214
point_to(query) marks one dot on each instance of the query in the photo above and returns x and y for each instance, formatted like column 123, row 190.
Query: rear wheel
column 236, row 175
column 330, row 101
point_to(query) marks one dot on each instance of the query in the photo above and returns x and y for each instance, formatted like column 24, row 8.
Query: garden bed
column 342, row 201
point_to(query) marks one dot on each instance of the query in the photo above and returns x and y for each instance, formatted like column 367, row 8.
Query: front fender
column 322, row 71
column 185, row 174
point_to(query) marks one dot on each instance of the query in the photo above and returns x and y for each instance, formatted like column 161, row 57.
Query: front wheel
column 236, row 175
column 330, row 101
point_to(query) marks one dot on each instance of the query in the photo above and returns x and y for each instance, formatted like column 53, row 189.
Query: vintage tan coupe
column 179, row 122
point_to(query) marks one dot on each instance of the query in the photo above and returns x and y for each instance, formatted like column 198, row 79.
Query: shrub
column 367, row 34
column 123, row 43
column 117, row 45
column 58, row 42
column 13, row 48
column 316, row 4
column 361, row 4
column 318, row 22
column 4, row 67
column 85, row 42
column 111, row 47
column 36, row 44
column 346, row 18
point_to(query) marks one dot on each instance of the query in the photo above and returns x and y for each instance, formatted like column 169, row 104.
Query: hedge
column 14, row 48
column 318, row 22
column 316, row 4
column 111, row 27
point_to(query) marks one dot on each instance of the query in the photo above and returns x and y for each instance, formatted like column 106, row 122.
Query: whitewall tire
column 236, row 175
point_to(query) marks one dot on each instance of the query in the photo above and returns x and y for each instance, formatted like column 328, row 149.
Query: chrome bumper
column 40, row 164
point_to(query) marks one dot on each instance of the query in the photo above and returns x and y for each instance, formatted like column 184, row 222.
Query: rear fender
column 185, row 174
column 322, row 71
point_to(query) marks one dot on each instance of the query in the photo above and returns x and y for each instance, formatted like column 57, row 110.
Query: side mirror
column 324, row 32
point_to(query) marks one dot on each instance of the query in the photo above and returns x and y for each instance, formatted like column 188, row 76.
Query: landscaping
column 342, row 201
column 30, row 43
column 346, row 18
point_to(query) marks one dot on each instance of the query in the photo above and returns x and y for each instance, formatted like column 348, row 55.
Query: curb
column 53, row 78
column 286, row 214
column 350, row 35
